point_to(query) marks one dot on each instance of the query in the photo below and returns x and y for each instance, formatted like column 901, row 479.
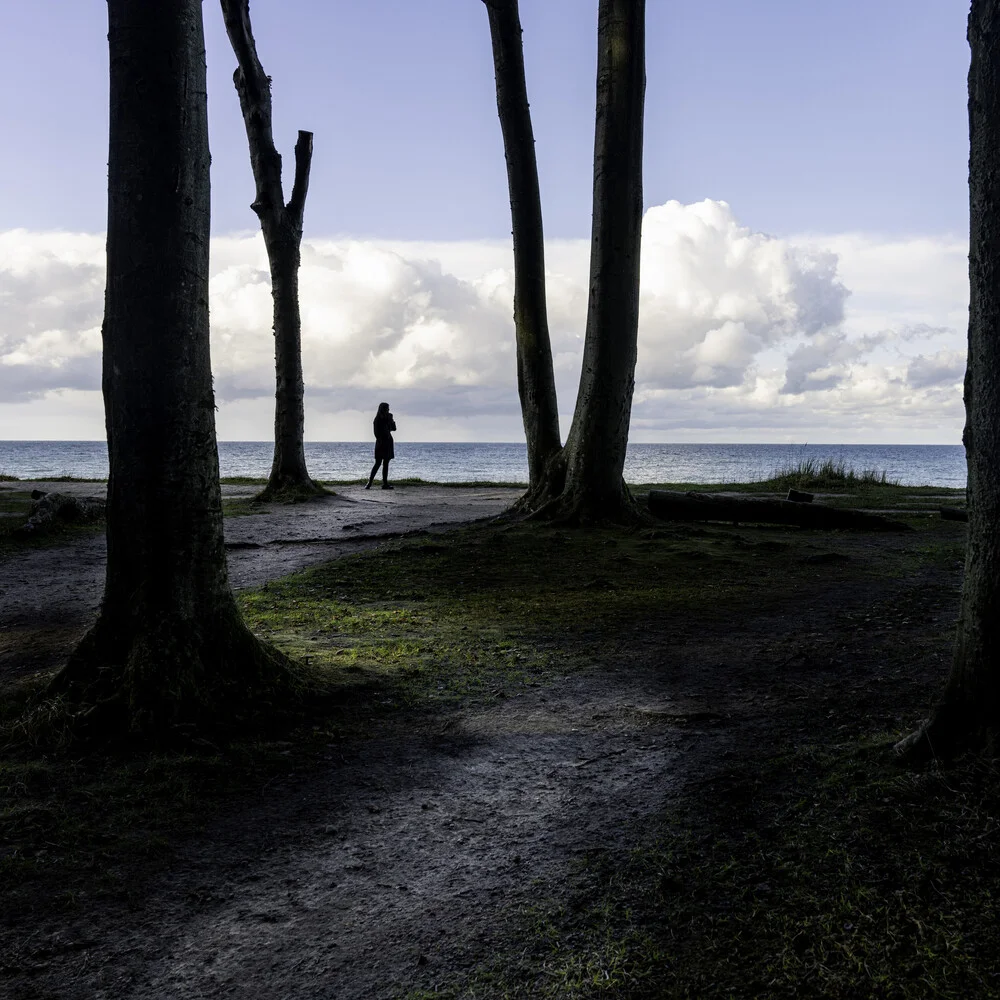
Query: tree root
column 289, row 492
column 946, row 735
column 168, row 682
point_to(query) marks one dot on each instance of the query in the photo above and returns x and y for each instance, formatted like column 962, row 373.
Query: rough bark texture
column 169, row 647
column 595, row 449
column 535, row 379
column 282, row 228
column 968, row 714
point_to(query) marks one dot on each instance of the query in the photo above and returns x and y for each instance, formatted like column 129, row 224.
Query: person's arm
column 392, row 423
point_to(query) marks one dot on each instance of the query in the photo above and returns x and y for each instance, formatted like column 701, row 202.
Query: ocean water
column 912, row 465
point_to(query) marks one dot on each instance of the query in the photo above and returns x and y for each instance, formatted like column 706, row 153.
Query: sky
column 804, row 263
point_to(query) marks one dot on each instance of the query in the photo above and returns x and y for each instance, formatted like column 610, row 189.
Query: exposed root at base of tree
column 948, row 733
column 546, row 487
column 169, row 682
column 291, row 491
column 550, row 499
column 576, row 509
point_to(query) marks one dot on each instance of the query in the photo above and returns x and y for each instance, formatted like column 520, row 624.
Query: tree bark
column 594, row 489
column 282, row 228
column 169, row 646
column 535, row 379
column 968, row 713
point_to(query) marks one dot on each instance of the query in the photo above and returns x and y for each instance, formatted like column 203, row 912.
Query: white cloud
column 714, row 294
column 742, row 336
column 945, row 368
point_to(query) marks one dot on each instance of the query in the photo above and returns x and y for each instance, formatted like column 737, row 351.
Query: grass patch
column 827, row 475
column 66, row 479
column 824, row 872
column 240, row 507
column 491, row 607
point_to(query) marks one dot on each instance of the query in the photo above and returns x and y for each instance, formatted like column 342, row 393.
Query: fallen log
column 954, row 513
column 673, row 505
column 798, row 496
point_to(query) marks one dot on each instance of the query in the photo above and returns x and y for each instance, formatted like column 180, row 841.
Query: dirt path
column 49, row 596
column 396, row 867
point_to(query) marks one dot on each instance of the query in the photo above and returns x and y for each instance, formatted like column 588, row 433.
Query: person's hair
column 382, row 408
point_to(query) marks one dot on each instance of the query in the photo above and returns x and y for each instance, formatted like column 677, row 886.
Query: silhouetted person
column 383, row 425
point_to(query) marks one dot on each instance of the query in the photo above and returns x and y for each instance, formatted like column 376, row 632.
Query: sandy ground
column 49, row 596
column 394, row 864
column 398, row 861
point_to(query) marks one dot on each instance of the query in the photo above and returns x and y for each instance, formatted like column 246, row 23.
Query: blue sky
column 815, row 123
column 807, row 117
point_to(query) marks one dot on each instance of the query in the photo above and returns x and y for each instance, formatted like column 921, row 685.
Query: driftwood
column 51, row 509
column 676, row 506
column 798, row 496
column 954, row 513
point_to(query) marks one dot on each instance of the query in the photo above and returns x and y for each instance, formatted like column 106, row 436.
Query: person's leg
column 385, row 475
column 371, row 478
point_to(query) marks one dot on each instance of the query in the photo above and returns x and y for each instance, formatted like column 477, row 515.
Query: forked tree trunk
column 169, row 645
column 594, row 488
column 968, row 714
column 535, row 379
column 282, row 228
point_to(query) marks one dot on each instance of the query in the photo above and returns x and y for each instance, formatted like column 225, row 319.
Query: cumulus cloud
column 740, row 333
column 51, row 307
column 714, row 294
column 942, row 368
column 823, row 362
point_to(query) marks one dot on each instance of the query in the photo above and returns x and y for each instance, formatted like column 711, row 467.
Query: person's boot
column 386, row 486
column 370, row 481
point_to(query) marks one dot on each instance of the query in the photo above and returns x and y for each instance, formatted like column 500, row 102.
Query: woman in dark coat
column 383, row 425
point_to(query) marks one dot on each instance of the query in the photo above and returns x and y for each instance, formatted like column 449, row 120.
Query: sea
column 450, row 462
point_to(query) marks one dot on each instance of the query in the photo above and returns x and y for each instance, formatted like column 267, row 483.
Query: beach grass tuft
column 811, row 474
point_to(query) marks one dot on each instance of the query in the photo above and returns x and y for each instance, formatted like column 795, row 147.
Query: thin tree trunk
column 535, row 379
column 968, row 714
column 282, row 228
column 169, row 646
column 595, row 449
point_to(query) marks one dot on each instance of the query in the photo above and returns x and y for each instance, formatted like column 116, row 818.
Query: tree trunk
column 282, row 228
column 535, row 379
column 594, row 489
column 968, row 714
column 169, row 646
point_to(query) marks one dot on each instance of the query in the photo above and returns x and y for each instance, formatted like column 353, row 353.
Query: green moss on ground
column 490, row 605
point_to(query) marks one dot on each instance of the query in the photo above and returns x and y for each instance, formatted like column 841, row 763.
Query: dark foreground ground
column 647, row 763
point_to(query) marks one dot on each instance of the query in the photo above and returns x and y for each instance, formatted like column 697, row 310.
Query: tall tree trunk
column 282, row 228
column 535, row 379
column 169, row 645
column 968, row 714
column 595, row 449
